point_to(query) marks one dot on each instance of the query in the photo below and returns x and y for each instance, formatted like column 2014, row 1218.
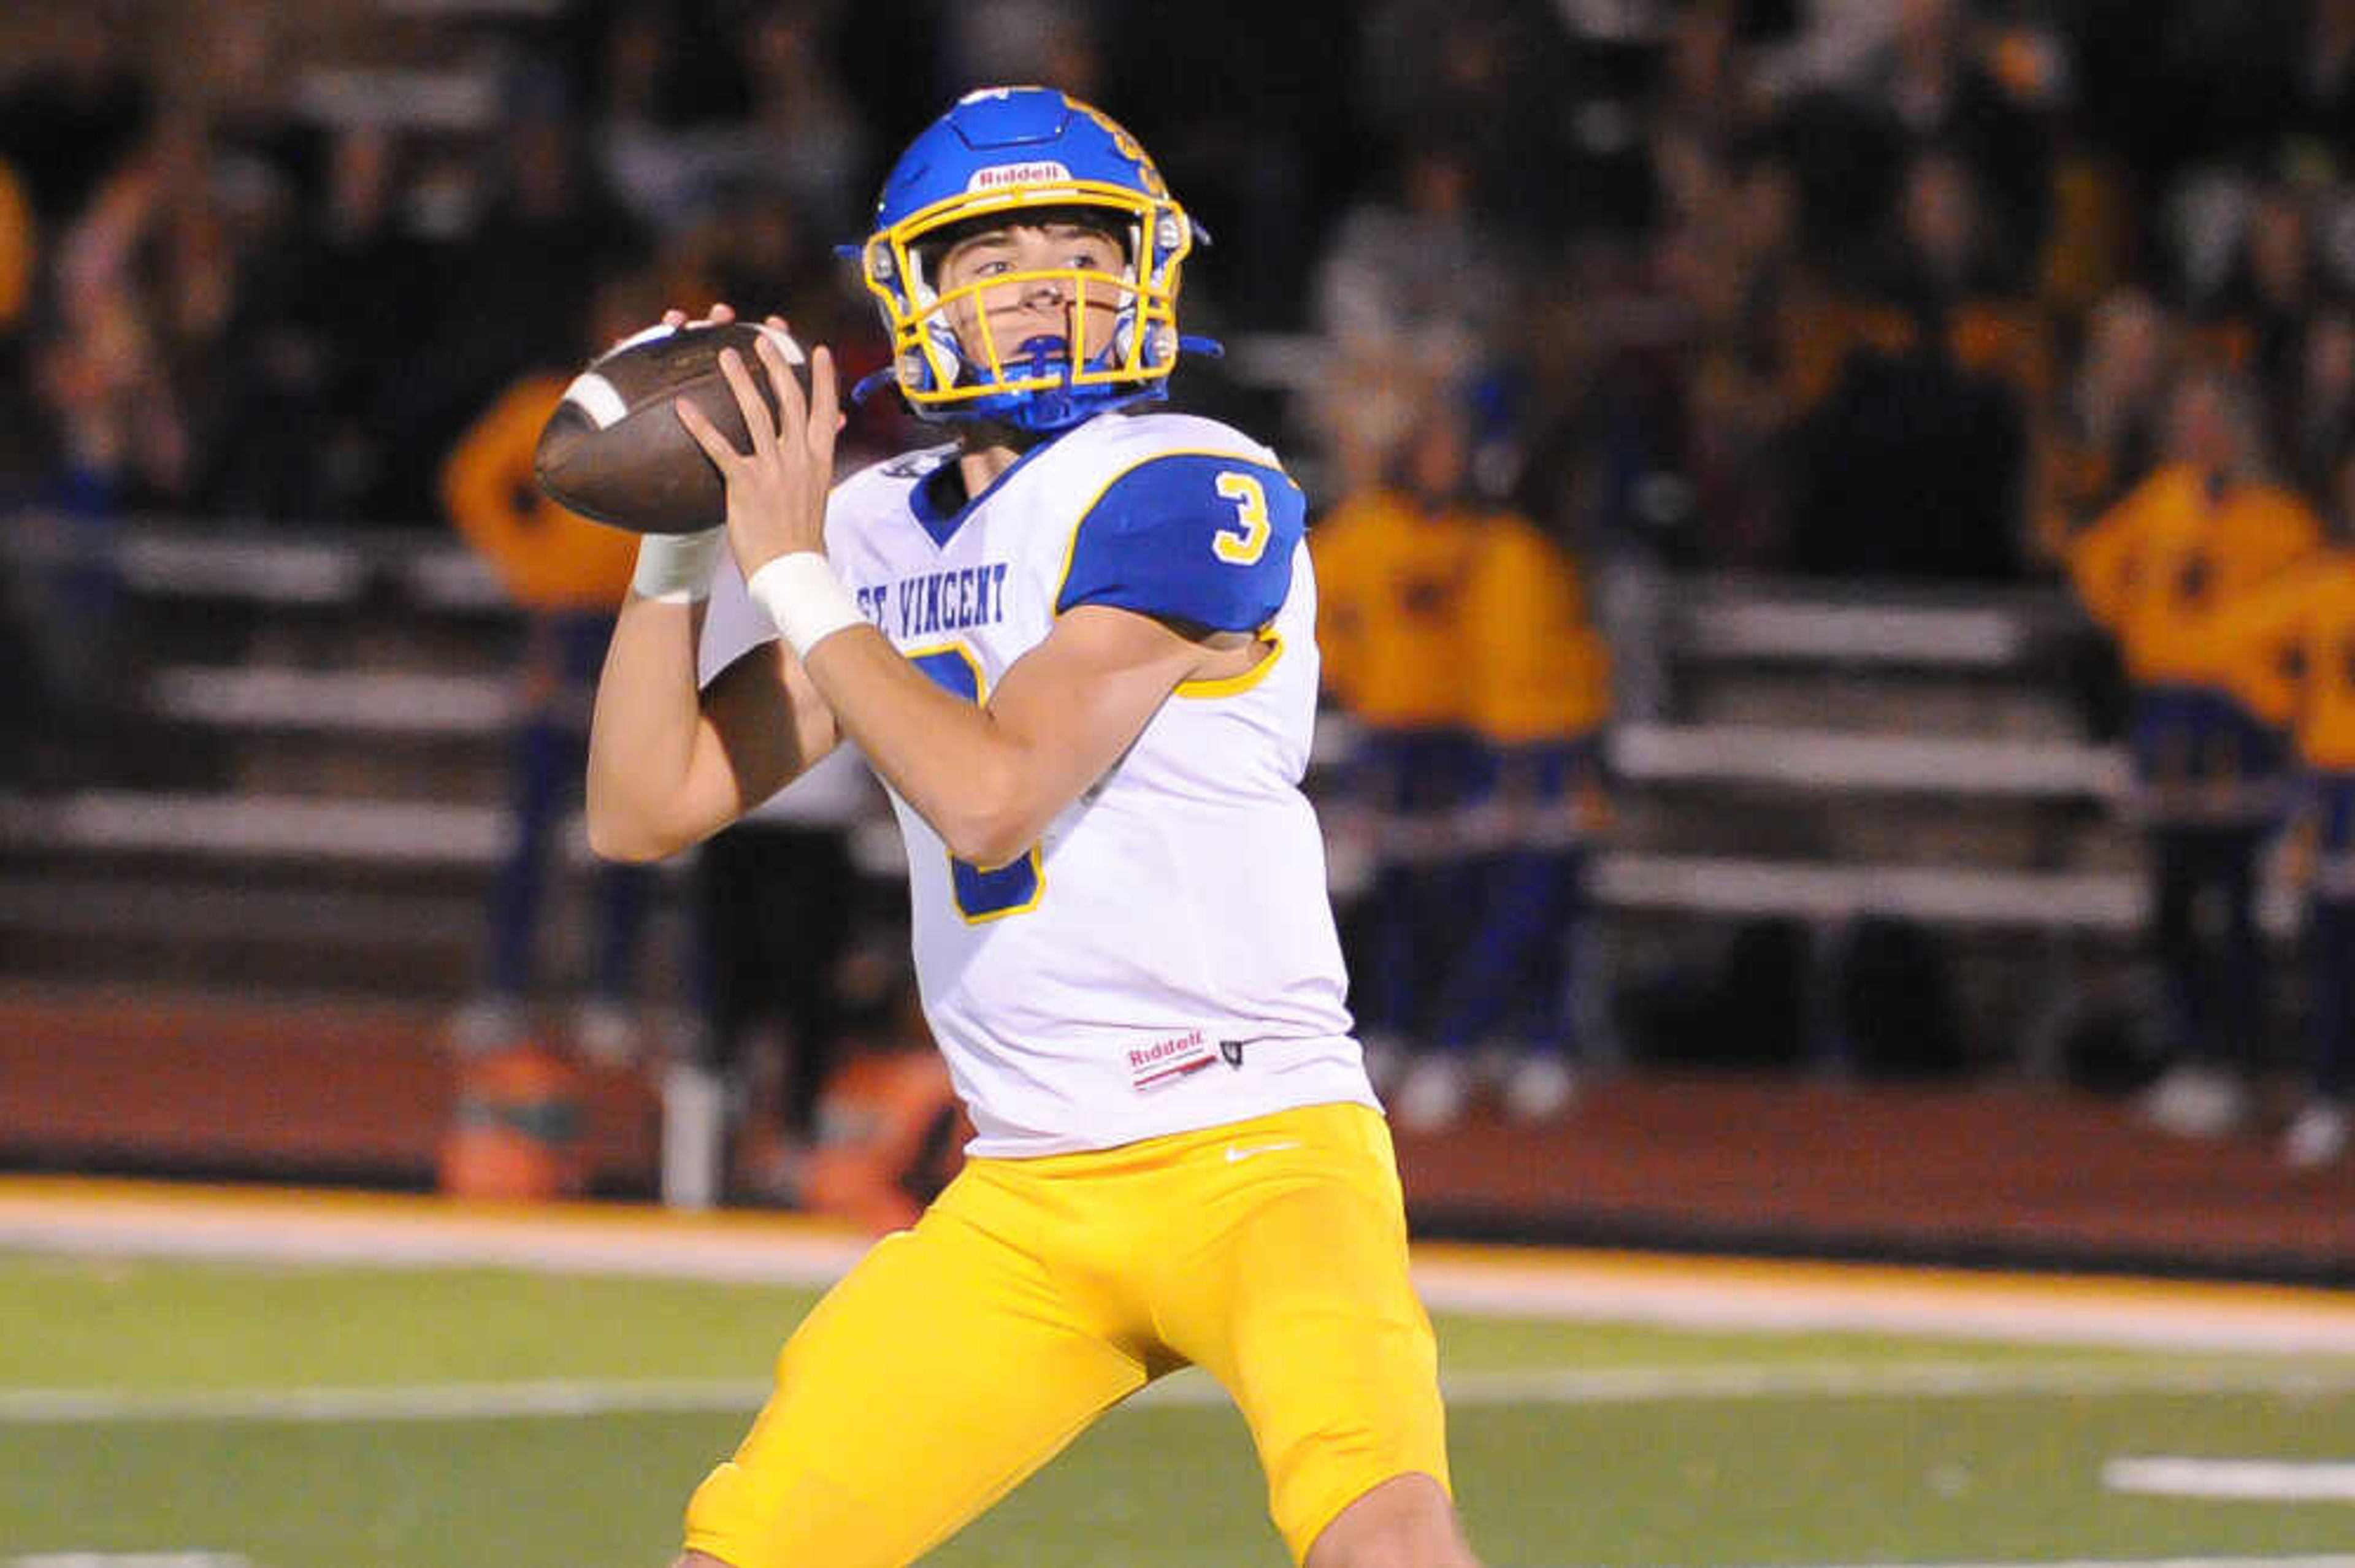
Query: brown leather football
column 614, row 449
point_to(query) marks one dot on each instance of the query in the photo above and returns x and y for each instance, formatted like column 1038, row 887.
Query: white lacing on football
column 784, row 341
column 596, row 397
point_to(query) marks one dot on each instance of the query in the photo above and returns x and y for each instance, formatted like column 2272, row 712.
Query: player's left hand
column 776, row 492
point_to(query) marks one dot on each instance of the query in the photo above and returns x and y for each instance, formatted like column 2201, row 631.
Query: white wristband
column 804, row 598
column 676, row 568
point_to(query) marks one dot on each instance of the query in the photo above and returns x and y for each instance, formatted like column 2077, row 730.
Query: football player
column 1076, row 640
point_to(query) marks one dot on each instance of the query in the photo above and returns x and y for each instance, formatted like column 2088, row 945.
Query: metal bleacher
column 297, row 780
column 1837, row 755
column 302, row 788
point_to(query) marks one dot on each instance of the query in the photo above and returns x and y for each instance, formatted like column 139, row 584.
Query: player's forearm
column 948, row 759
column 647, row 796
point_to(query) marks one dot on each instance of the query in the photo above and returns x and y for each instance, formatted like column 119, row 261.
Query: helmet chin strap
column 871, row 383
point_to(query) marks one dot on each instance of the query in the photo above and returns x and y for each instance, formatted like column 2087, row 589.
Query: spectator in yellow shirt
column 2292, row 651
column 2199, row 533
column 1536, row 676
column 1393, row 570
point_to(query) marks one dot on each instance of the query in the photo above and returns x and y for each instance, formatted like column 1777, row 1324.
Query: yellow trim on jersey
column 972, row 661
column 1235, row 685
column 1072, row 549
column 1038, row 888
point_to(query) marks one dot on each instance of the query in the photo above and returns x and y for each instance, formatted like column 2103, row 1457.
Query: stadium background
column 1814, row 329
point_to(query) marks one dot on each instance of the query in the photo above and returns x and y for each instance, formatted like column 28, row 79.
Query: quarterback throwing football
column 1076, row 643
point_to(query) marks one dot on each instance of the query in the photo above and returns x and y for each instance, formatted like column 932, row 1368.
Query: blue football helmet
column 1001, row 151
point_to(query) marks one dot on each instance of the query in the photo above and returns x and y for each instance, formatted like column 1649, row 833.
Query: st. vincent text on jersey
column 935, row 602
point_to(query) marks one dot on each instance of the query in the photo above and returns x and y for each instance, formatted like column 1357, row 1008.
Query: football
column 614, row 449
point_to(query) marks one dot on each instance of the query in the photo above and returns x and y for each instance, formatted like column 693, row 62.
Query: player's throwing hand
column 776, row 492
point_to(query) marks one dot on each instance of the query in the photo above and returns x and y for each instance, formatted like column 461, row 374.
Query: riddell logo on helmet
column 998, row 176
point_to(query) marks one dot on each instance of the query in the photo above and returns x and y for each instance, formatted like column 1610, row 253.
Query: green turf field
column 152, row 1407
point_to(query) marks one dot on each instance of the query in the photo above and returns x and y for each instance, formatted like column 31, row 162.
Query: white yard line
column 128, row 1559
column 1680, row 1292
column 2266, row 1480
column 389, row 1233
column 566, row 1397
column 418, row 1401
column 1870, row 1380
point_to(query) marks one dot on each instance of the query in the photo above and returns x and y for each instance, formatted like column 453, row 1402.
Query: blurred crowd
column 1737, row 282
column 1918, row 290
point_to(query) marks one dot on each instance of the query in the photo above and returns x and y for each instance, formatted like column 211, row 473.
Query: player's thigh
column 929, row 1382
column 1300, row 1303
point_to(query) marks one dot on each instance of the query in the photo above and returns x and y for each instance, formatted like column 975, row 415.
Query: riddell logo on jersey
column 1000, row 175
column 1162, row 1051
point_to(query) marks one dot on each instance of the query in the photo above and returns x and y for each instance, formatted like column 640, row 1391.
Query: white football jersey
column 1165, row 958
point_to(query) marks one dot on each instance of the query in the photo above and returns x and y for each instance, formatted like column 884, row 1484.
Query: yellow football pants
column 1033, row 1295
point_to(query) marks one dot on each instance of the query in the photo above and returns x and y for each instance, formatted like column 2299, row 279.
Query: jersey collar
column 942, row 522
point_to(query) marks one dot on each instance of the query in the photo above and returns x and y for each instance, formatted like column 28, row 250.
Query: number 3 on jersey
column 1250, row 517
column 1013, row 888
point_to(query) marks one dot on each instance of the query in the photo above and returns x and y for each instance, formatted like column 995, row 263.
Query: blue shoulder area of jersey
column 1197, row 536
